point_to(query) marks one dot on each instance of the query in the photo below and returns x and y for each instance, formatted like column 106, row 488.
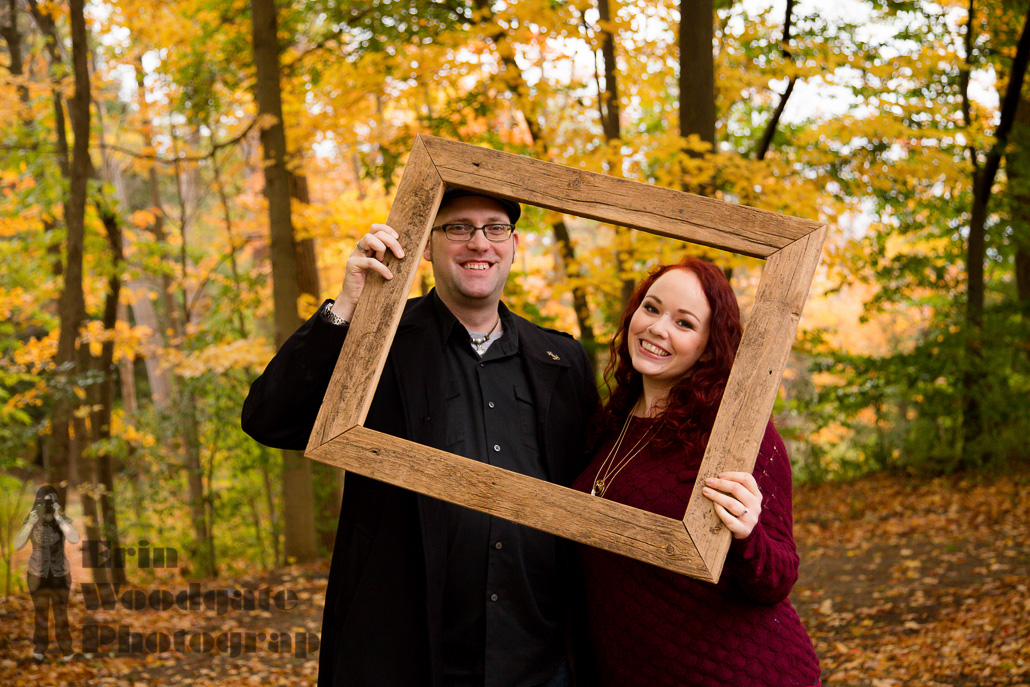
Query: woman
column 668, row 369
column 49, row 576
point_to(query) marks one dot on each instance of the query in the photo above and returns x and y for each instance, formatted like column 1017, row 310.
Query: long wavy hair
column 694, row 400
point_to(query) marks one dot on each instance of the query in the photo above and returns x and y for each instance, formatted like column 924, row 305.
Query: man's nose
column 478, row 240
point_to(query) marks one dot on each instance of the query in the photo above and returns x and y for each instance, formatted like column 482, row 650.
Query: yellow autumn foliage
column 37, row 354
column 219, row 358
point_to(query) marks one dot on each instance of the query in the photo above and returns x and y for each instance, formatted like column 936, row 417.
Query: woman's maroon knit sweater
column 653, row 627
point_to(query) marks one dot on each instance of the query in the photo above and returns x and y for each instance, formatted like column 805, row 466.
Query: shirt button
column 497, row 448
column 498, row 545
column 493, row 597
column 491, row 404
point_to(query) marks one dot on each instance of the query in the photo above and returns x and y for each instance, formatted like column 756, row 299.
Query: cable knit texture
column 654, row 627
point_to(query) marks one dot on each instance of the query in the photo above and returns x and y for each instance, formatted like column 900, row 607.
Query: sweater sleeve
column 765, row 564
column 283, row 402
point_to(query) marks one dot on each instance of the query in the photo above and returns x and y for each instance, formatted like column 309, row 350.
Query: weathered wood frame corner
column 697, row 544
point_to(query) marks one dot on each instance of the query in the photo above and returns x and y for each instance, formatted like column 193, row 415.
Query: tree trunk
column 145, row 315
column 12, row 36
column 142, row 308
column 103, row 391
column 273, row 513
column 204, row 552
column 1023, row 273
column 697, row 70
column 127, row 372
column 1017, row 168
column 66, row 447
column 234, row 270
column 610, row 97
column 327, row 481
column 307, row 263
column 976, row 247
column 579, row 298
column 612, row 127
column 103, row 398
column 299, row 519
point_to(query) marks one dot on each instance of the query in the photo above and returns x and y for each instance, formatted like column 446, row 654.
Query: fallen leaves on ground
column 914, row 582
column 903, row 582
column 264, row 643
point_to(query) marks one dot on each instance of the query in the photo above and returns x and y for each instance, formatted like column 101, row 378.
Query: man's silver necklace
column 478, row 341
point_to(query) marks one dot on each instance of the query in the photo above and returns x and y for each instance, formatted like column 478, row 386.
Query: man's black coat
column 382, row 623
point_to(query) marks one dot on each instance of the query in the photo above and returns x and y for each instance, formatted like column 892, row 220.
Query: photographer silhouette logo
column 49, row 572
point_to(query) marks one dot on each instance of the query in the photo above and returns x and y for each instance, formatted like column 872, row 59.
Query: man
column 422, row 592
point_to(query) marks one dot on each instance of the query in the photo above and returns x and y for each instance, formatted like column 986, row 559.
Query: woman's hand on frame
column 737, row 499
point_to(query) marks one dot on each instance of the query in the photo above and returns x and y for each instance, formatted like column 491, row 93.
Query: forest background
column 181, row 182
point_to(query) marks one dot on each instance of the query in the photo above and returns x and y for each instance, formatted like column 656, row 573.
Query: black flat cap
column 513, row 209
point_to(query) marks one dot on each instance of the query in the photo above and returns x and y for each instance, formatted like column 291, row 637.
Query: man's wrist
column 329, row 316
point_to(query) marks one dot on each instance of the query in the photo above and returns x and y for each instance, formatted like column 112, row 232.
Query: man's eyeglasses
column 465, row 232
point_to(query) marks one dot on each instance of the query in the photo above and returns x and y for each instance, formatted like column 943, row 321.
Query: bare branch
column 774, row 122
column 215, row 147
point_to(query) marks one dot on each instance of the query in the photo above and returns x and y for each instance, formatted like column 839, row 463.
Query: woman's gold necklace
column 609, row 467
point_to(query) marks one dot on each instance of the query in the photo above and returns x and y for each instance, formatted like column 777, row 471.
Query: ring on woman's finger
column 364, row 250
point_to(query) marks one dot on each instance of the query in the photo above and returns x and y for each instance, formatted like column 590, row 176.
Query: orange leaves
column 143, row 218
column 914, row 582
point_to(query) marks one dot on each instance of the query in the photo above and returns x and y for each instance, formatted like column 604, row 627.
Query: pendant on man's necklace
column 478, row 342
column 598, row 488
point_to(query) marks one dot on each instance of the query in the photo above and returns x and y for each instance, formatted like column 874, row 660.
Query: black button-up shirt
column 502, row 617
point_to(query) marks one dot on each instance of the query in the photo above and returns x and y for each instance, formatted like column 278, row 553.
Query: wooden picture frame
column 697, row 544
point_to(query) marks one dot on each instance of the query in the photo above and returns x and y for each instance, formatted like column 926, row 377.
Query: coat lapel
column 417, row 363
column 545, row 368
column 418, row 368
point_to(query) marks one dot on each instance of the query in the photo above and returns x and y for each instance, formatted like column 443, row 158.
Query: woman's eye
column 685, row 324
column 650, row 308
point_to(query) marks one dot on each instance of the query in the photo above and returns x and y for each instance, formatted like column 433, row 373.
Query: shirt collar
column 449, row 326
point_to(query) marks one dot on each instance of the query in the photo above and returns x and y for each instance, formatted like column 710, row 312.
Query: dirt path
column 902, row 583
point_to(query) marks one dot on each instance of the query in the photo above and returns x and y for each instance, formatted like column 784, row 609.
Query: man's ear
column 514, row 246
column 427, row 252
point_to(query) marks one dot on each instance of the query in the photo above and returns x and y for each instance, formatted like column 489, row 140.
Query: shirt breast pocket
column 455, row 424
column 527, row 419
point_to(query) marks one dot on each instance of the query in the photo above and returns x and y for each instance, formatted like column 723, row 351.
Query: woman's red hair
column 694, row 400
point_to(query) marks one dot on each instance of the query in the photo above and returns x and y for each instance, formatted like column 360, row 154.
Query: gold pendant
column 598, row 489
